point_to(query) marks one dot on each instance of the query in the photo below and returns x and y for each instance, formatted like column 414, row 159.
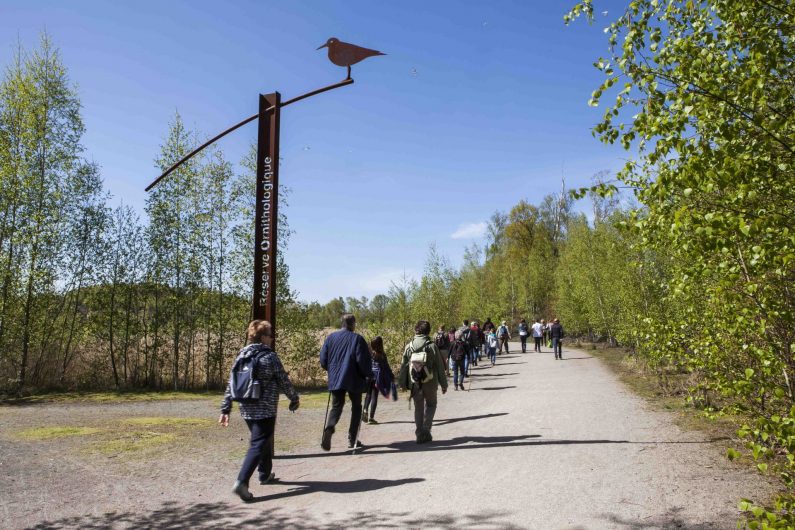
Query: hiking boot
column 364, row 417
column 325, row 443
column 372, row 421
column 267, row 480
column 456, row 388
column 241, row 490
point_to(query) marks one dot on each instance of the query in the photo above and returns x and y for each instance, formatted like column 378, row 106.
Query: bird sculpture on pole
column 345, row 54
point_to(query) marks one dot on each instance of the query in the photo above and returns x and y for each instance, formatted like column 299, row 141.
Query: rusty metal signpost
column 267, row 190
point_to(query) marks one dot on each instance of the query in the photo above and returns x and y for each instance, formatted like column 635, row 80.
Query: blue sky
column 475, row 106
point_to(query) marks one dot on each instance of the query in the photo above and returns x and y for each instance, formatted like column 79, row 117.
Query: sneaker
column 325, row 443
column 455, row 388
column 267, row 480
column 372, row 421
column 359, row 444
column 241, row 490
column 364, row 417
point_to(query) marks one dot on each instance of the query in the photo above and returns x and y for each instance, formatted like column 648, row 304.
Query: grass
column 133, row 442
column 52, row 433
column 310, row 399
column 108, row 397
column 170, row 422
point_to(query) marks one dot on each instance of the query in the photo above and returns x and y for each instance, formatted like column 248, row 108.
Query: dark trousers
column 503, row 344
column 557, row 348
column 459, row 367
column 538, row 343
column 371, row 401
column 523, row 338
column 259, row 453
column 337, row 402
column 424, row 406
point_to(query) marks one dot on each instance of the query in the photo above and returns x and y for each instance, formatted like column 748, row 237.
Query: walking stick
column 325, row 420
column 358, row 430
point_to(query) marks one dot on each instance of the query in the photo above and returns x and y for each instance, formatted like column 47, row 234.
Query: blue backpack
column 244, row 386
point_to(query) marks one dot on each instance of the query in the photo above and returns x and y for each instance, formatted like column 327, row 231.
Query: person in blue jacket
column 346, row 357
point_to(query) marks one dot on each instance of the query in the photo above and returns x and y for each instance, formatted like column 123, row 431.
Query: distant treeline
column 91, row 296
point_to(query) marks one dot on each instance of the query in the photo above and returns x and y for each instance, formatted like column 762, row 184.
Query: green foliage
column 703, row 91
column 92, row 296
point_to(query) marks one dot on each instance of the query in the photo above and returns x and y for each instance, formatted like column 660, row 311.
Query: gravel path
column 535, row 443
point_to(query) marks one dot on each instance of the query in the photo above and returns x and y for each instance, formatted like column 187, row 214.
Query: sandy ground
column 534, row 443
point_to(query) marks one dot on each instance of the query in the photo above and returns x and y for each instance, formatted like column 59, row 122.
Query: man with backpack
column 422, row 372
column 442, row 341
column 504, row 335
column 256, row 380
column 459, row 351
column 346, row 357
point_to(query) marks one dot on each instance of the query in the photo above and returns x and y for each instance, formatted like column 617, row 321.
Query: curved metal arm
column 242, row 123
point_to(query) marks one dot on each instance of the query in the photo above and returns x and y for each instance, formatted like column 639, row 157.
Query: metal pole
column 266, row 211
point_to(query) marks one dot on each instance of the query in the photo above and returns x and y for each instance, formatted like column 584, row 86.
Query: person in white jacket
column 538, row 334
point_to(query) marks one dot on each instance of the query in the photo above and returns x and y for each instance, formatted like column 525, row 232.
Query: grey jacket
column 273, row 379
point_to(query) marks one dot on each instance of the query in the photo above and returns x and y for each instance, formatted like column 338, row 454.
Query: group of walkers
column 549, row 333
column 465, row 347
column 356, row 368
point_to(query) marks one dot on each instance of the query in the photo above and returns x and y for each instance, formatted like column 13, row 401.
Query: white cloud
column 469, row 231
column 381, row 281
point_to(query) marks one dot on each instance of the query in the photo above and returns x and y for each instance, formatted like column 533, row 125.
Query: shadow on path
column 669, row 519
column 351, row 486
column 494, row 387
column 451, row 420
column 234, row 514
column 487, row 375
column 481, row 442
column 575, row 358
